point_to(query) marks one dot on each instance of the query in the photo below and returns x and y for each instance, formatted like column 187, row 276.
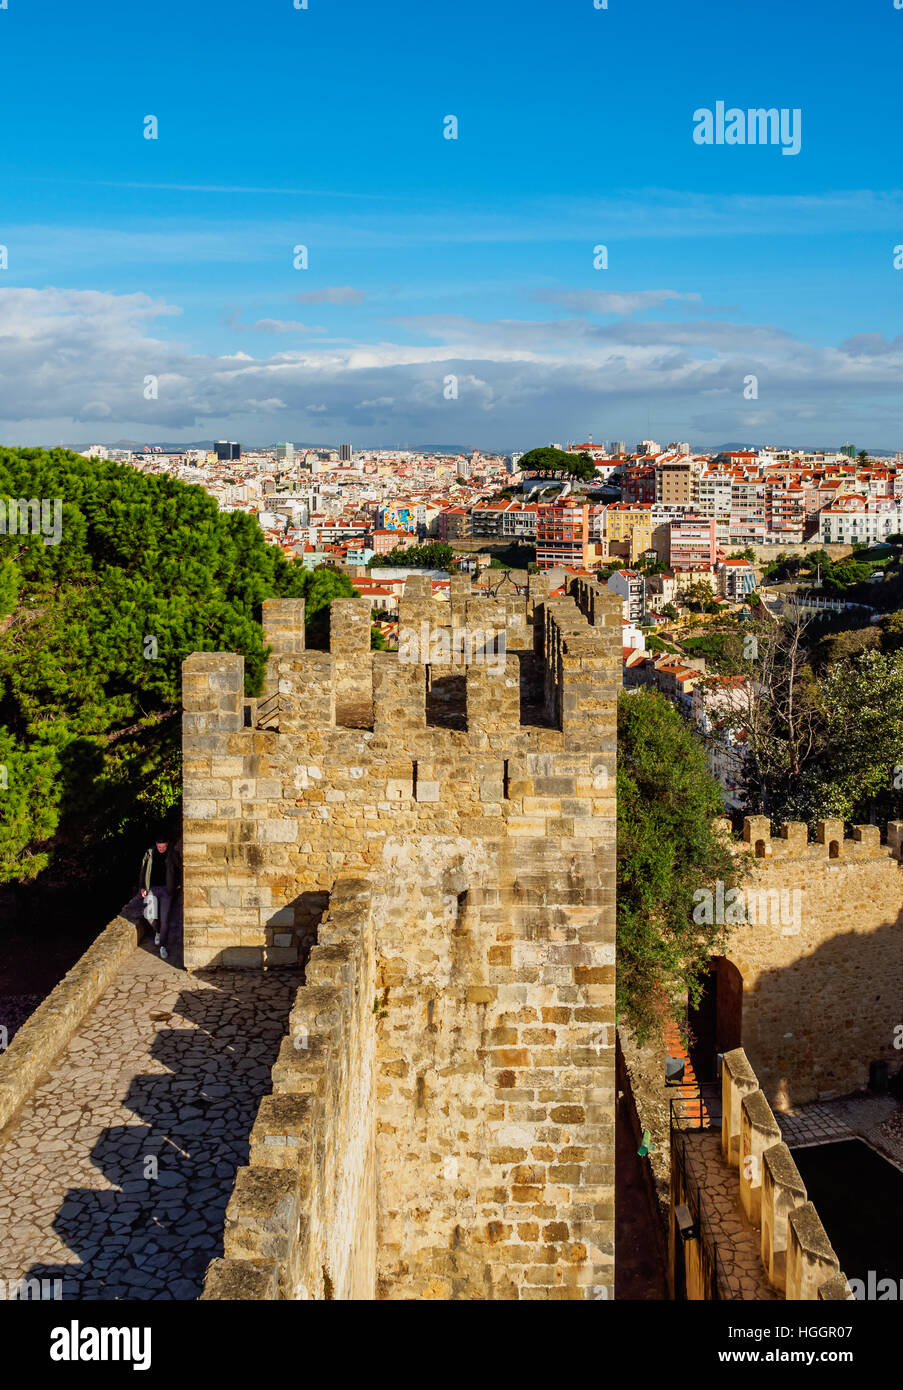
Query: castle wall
column 821, row 994
column 489, row 853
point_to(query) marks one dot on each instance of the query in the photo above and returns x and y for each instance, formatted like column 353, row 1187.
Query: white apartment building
column 713, row 493
column 630, row 586
column 519, row 521
column 856, row 519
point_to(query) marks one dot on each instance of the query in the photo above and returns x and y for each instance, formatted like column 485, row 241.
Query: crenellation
column 493, row 704
column 349, row 644
column 460, row 589
column 283, row 621
column 399, row 696
column 829, row 842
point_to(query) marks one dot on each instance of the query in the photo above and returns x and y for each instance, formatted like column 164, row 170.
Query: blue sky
column 430, row 257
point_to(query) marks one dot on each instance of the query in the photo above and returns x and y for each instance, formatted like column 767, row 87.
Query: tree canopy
column 668, row 848
column 822, row 721
column 435, row 556
column 94, row 631
column 558, row 460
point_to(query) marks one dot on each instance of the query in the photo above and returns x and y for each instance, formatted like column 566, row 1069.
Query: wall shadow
column 813, row 1025
column 154, row 1235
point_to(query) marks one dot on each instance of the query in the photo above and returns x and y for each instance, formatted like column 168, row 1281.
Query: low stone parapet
column 811, row 1261
column 759, row 1132
column 796, row 1253
column 737, row 1081
column 783, row 1190
column 51, row 1027
column 301, row 1221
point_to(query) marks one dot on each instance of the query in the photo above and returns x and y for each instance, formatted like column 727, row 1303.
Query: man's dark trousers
column 164, row 912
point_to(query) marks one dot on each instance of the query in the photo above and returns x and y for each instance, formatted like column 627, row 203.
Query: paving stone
column 72, row 1187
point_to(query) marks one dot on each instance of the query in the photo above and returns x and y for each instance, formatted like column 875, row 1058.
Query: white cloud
column 607, row 301
column 74, row 357
column 332, row 294
column 273, row 326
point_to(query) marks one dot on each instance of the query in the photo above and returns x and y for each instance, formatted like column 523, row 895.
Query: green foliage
column 861, row 740
column 723, row 651
column 321, row 587
column 147, row 571
column 892, row 632
column 10, row 580
column 842, row 646
column 669, row 611
column 435, row 556
column 824, row 734
column 837, row 577
column 701, row 597
column 558, row 460
column 667, row 850
column 377, row 641
column 656, row 644
column 844, row 575
column 30, row 791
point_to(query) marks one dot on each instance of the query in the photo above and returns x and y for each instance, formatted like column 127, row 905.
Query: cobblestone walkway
column 115, row 1178
column 738, row 1242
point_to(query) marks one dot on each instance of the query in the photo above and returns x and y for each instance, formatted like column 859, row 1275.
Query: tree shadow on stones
column 154, row 1234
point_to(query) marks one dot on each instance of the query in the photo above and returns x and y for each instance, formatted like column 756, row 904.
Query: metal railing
column 714, row 1276
column 705, row 1102
column 685, row 1184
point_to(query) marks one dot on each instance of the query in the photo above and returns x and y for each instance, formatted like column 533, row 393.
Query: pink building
column 693, row 542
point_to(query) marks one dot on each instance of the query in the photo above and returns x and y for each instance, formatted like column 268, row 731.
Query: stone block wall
column 821, row 967
column 349, row 641
column 489, row 851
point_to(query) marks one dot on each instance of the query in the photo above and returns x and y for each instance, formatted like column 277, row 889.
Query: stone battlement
column 817, row 937
column 829, row 843
column 280, row 793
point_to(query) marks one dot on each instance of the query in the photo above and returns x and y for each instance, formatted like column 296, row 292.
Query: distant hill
column 179, row 446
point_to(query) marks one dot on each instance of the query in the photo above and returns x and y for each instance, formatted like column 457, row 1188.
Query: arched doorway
column 716, row 1024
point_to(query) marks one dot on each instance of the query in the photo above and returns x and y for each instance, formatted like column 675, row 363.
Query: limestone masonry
column 437, row 844
column 820, row 982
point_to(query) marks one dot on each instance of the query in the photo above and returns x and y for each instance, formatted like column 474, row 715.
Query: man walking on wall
column 161, row 874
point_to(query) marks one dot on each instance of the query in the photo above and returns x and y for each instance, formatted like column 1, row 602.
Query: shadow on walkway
column 154, row 1236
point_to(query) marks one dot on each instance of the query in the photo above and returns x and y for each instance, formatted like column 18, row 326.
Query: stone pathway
column 811, row 1124
column 738, row 1242
column 877, row 1119
column 115, row 1177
